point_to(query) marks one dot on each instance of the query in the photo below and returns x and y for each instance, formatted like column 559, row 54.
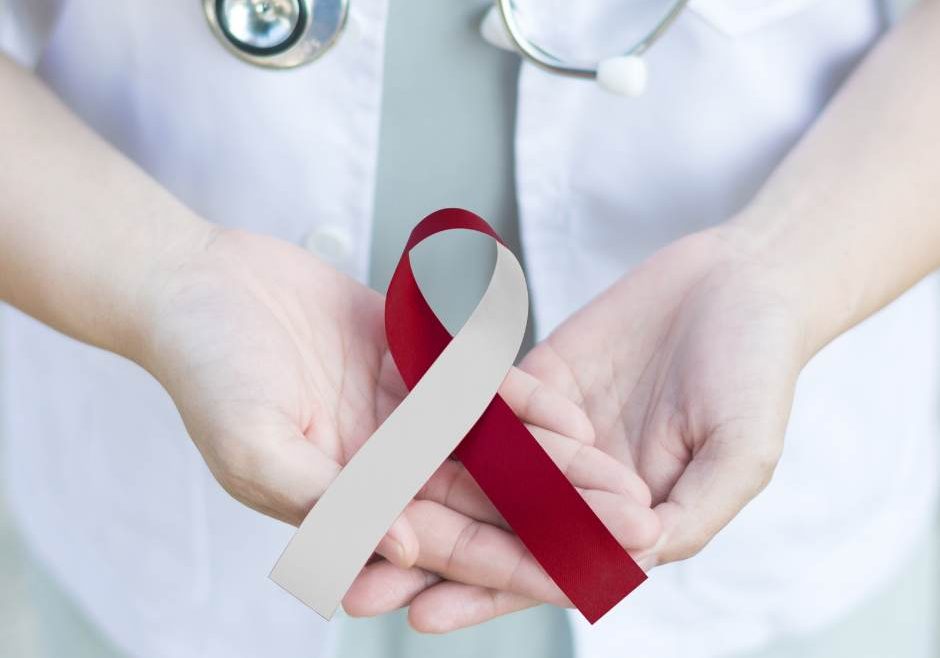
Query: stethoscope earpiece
column 624, row 75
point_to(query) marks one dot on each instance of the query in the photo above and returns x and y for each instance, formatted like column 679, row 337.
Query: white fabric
column 99, row 467
column 736, row 17
column 25, row 26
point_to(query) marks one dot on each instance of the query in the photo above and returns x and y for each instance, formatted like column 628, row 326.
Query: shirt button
column 331, row 243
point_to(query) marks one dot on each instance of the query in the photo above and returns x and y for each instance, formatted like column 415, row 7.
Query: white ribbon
column 342, row 530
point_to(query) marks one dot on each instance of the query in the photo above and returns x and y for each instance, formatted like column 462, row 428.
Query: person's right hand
column 280, row 370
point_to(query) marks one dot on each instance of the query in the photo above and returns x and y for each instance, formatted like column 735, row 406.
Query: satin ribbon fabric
column 453, row 408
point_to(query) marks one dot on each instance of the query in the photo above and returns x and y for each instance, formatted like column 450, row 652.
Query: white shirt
column 99, row 468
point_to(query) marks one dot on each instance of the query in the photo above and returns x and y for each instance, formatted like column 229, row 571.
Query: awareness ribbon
column 453, row 408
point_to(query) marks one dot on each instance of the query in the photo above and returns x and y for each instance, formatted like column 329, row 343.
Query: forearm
column 83, row 231
column 852, row 216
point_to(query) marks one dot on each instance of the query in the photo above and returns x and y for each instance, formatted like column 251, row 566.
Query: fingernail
column 400, row 552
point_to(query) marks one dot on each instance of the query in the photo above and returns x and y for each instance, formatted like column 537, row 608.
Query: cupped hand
column 686, row 368
column 279, row 367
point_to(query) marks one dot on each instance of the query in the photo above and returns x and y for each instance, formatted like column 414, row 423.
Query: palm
column 686, row 367
column 274, row 346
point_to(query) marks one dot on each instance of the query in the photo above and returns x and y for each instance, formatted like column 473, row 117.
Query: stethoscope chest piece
column 277, row 33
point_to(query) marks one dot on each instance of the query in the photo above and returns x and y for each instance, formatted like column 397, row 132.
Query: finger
column 451, row 606
column 634, row 526
column 541, row 405
column 463, row 549
column 400, row 544
column 586, row 467
column 529, row 398
column 466, row 550
column 436, row 607
column 726, row 473
column 382, row 587
column 544, row 363
column 452, row 486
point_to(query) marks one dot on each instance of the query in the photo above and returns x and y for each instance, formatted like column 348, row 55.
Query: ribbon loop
column 453, row 407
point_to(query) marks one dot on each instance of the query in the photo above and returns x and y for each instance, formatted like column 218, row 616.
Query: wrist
column 814, row 287
column 169, row 255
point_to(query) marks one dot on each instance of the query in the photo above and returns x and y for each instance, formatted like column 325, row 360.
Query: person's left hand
column 686, row 367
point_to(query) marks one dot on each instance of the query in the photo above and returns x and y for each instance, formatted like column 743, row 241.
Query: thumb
column 281, row 473
column 733, row 465
column 400, row 544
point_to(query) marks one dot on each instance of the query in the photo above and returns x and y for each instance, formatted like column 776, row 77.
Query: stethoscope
column 290, row 33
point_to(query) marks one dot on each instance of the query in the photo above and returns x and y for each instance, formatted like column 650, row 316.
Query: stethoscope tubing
column 554, row 64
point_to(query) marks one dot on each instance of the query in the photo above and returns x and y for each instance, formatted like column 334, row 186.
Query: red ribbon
column 523, row 483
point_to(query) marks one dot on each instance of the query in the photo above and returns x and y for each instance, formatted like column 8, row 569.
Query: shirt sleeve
column 25, row 26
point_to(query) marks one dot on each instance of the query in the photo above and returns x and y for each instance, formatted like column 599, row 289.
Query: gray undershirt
column 448, row 117
column 448, row 113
